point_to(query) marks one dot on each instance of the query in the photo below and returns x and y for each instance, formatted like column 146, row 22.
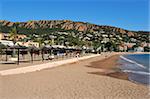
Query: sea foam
column 133, row 62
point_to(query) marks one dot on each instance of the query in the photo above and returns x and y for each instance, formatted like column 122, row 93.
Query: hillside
column 64, row 25
column 75, row 33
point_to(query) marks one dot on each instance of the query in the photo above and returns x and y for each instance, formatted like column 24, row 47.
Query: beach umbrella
column 18, row 48
column 32, row 49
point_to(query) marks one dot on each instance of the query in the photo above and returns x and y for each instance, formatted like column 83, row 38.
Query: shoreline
column 109, row 67
column 30, row 65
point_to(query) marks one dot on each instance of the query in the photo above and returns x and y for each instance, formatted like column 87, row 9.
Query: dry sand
column 37, row 60
column 72, row 81
column 27, row 62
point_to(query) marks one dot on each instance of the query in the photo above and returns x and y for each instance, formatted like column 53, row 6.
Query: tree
column 13, row 35
column 108, row 46
column 2, row 46
column 97, row 45
column 134, row 47
column 60, row 40
column 40, row 41
column 114, row 46
column 146, row 49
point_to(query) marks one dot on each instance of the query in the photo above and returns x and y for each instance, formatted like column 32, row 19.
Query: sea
column 137, row 66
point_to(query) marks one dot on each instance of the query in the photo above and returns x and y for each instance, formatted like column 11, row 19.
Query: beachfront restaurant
column 16, row 54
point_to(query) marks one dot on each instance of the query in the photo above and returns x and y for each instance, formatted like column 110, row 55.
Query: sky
column 127, row 14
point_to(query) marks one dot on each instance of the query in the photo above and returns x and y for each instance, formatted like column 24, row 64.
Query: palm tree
column 60, row 40
column 1, row 49
column 40, row 41
column 13, row 35
column 52, row 37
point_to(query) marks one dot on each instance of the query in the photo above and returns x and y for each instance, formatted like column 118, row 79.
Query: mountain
column 63, row 25
column 66, row 32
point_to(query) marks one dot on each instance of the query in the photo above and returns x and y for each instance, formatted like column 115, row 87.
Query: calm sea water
column 137, row 66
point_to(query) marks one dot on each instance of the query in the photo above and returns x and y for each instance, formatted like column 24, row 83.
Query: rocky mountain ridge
column 70, row 33
column 65, row 25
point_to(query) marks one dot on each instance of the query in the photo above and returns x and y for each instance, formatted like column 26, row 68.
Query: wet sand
column 109, row 65
column 71, row 81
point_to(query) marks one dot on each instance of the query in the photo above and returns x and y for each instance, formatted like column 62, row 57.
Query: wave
column 131, row 61
column 137, row 72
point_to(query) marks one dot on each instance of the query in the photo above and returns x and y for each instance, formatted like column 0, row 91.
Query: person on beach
column 50, row 57
column 77, row 54
column 106, row 56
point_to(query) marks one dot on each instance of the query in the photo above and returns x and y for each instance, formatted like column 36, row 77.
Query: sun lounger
column 13, row 59
column 50, row 57
column 7, row 62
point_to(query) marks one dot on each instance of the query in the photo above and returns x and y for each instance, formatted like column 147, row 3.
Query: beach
column 109, row 67
column 94, row 78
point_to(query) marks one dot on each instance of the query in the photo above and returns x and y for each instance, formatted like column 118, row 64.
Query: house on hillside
column 139, row 49
column 123, row 48
column 28, row 44
column 7, row 43
column 6, row 36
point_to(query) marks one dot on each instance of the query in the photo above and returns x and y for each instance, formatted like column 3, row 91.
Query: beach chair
column 50, row 57
column 13, row 59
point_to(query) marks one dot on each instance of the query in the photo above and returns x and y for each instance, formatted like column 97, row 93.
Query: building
column 6, row 36
column 104, row 35
column 139, row 49
column 144, row 44
column 7, row 43
column 28, row 44
column 21, row 36
column 123, row 48
column 130, row 45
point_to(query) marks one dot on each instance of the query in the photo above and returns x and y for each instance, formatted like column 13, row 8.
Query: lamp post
column 6, row 54
column 83, row 49
column 18, row 56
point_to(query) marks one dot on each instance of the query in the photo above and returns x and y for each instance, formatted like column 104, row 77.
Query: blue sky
column 127, row 14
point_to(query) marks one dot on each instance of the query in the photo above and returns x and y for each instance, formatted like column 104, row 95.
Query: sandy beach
column 27, row 61
column 92, row 78
column 109, row 67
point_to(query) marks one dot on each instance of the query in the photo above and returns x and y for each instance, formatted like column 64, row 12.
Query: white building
column 7, row 43
column 139, row 49
column 28, row 44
